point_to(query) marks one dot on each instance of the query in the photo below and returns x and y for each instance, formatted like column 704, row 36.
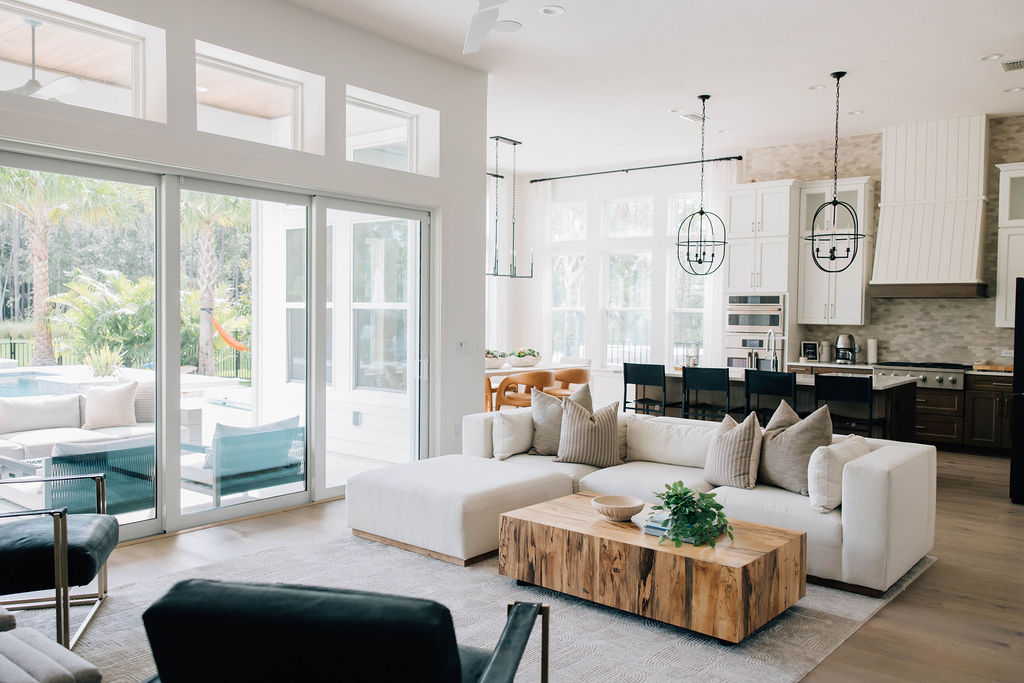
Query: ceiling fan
column 483, row 22
column 52, row 90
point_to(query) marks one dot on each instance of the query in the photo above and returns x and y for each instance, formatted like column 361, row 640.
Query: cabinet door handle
column 1002, row 384
column 759, row 279
column 833, row 310
column 753, row 227
column 751, row 279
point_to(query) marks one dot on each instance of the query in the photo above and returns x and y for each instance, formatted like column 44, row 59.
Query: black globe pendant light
column 834, row 249
column 700, row 241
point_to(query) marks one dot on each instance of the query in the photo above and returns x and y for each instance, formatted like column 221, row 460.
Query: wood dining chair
column 565, row 377
column 514, row 390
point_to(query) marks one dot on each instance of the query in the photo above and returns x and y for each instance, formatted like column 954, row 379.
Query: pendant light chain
column 513, row 268
column 835, row 162
column 700, row 239
column 703, row 122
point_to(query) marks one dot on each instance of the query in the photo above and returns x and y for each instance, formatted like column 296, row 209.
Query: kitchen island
column 895, row 400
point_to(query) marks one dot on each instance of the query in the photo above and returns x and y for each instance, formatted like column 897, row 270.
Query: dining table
column 506, row 370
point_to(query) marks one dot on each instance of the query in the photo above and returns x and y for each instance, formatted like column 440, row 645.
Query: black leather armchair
column 262, row 632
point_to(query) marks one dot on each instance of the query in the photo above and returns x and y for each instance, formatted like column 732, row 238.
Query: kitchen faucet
column 773, row 357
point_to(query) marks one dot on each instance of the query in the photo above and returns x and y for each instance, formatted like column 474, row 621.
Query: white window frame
column 605, row 227
column 608, row 308
column 376, row 139
column 676, row 272
column 586, row 223
column 567, row 309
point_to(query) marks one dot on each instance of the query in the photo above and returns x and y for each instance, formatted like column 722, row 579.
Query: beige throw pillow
column 547, row 418
column 110, row 406
column 825, row 471
column 734, row 453
column 512, row 433
column 589, row 437
column 787, row 446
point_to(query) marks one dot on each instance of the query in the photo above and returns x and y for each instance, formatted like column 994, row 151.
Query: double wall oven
column 748, row 320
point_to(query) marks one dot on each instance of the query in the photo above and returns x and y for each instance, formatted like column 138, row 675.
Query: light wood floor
column 962, row 620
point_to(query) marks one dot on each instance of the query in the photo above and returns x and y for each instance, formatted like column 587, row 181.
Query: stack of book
column 656, row 525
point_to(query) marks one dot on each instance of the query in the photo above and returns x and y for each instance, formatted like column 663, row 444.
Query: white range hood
column 930, row 226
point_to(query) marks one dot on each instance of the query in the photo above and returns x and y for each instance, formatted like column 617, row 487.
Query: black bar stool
column 759, row 383
column 848, row 390
column 644, row 375
column 705, row 379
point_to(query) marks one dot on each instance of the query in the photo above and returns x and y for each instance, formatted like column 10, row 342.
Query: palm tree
column 201, row 214
column 46, row 199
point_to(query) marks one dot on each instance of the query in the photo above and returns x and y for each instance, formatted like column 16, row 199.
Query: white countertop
column 992, row 373
column 509, row 370
column 817, row 364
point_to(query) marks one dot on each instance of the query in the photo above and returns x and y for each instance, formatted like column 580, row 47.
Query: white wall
column 295, row 37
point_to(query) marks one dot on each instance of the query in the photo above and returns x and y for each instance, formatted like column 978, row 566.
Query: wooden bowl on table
column 617, row 508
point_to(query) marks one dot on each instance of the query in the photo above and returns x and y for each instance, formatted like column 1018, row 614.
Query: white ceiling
column 592, row 88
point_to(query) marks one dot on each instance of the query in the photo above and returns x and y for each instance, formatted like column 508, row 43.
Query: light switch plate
column 1007, row 353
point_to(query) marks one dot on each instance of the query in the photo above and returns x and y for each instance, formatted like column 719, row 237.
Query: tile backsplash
column 950, row 330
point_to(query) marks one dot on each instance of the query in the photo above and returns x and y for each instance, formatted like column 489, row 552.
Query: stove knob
column 922, row 378
column 952, row 380
column 938, row 379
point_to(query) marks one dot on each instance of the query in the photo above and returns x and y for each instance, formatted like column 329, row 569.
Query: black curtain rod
column 635, row 168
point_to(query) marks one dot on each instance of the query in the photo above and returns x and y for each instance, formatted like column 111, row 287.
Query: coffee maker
column 846, row 350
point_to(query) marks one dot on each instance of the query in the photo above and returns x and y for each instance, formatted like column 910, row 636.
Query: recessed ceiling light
column 725, row 130
column 856, row 112
column 816, row 86
column 507, row 26
column 201, row 89
column 1017, row 89
column 990, row 58
column 552, row 10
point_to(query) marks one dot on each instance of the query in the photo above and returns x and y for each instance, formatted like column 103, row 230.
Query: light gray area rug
column 588, row 642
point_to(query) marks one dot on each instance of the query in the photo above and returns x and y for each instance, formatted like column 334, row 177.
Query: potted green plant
column 524, row 357
column 689, row 516
column 494, row 359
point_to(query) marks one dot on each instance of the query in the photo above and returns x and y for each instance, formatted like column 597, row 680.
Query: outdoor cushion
column 128, row 431
column 575, row 470
column 38, row 443
column 223, row 431
column 110, row 406
column 26, row 551
column 9, row 449
column 26, row 413
column 642, row 479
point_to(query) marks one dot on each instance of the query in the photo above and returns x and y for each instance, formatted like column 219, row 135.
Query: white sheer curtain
column 717, row 176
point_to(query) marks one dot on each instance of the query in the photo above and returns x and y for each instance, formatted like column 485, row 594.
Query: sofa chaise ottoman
column 446, row 507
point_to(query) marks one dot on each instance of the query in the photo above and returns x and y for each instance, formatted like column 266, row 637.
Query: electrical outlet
column 357, row 417
column 1007, row 353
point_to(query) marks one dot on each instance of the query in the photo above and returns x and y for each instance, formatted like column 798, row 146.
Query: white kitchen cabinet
column 760, row 208
column 1010, row 266
column 760, row 223
column 836, row 298
column 1011, row 195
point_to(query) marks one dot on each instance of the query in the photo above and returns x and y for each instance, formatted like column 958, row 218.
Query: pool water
column 19, row 385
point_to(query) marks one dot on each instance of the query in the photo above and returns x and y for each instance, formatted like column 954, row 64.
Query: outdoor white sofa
column 884, row 526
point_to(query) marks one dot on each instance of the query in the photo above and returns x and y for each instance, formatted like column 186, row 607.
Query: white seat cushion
column 450, row 504
column 9, row 449
column 38, row 443
column 670, row 440
column 127, row 431
column 575, row 470
column 193, row 469
column 777, row 507
column 642, row 479
column 26, row 413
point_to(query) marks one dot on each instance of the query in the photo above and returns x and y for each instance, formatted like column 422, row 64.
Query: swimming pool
column 24, row 384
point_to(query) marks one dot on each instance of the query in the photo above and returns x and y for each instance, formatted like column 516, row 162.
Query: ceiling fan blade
column 487, row 4
column 59, row 88
column 479, row 27
column 31, row 87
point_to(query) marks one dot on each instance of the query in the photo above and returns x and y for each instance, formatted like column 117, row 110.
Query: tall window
column 628, row 312
column 567, row 306
column 687, row 314
column 629, row 217
column 567, row 221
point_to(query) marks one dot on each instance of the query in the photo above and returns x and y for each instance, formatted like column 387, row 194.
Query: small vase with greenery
column 691, row 516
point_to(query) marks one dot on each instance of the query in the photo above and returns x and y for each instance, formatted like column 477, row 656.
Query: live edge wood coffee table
column 727, row 592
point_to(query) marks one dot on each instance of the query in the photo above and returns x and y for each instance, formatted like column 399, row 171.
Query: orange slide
column 228, row 339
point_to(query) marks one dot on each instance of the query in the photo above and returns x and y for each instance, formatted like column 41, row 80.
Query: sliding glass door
column 243, row 348
column 373, row 338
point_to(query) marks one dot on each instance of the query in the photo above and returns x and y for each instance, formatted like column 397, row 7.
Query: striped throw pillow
column 734, row 454
column 589, row 438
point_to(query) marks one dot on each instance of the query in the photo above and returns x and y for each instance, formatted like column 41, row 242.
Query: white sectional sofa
column 885, row 524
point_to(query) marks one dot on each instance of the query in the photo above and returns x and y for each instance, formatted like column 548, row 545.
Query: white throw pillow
column 512, row 432
column 26, row 413
column 110, row 406
column 825, row 471
column 669, row 441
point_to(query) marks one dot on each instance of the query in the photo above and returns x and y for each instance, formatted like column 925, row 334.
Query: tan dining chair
column 514, row 390
column 565, row 377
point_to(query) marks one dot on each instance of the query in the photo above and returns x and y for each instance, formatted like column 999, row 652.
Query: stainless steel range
column 928, row 375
